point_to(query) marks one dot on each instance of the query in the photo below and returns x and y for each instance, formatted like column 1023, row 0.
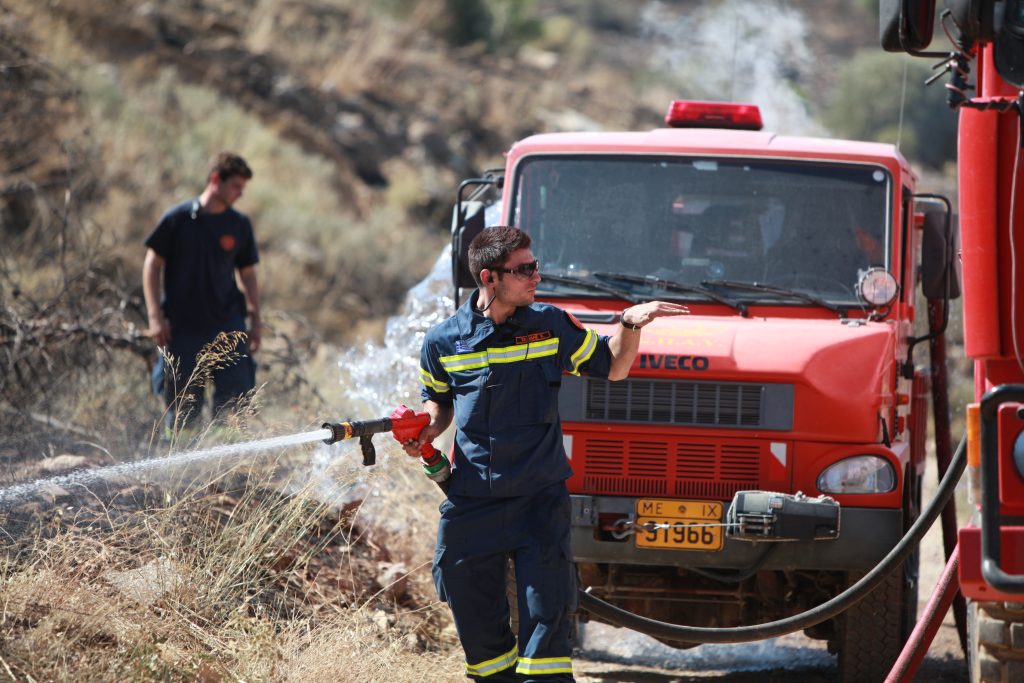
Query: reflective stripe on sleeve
column 428, row 381
column 548, row 665
column 493, row 666
column 583, row 353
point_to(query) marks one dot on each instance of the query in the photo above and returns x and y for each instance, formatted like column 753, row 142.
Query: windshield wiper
column 781, row 291
column 589, row 284
column 673, row 286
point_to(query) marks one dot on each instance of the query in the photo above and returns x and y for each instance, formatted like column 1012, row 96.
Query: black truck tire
column 995, row 641
column 872, row 632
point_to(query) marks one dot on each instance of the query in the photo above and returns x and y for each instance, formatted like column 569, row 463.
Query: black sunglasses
column 523, row 270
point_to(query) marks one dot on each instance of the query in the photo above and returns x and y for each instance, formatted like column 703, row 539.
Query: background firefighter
column 196, row 250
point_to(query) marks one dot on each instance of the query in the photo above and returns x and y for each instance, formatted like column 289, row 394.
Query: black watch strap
column 628, row 326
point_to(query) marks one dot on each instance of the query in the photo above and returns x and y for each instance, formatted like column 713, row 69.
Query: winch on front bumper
column 709, row 534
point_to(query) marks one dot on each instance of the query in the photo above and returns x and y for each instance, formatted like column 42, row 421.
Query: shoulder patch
column 574, row 321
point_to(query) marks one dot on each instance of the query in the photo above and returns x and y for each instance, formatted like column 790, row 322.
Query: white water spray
column 375, row 378
column 83, row 478
column 741, row 51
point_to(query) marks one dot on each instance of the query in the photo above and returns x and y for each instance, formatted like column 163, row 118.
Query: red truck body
column 988, row 158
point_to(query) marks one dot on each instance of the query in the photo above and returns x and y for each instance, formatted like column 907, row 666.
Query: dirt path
column 612, row 655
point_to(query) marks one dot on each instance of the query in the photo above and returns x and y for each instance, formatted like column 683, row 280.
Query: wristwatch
column 628, row 326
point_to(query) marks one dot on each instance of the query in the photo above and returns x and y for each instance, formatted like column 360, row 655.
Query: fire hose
column 406, row 424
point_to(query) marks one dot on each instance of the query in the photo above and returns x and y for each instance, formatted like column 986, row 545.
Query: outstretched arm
column 626, row 342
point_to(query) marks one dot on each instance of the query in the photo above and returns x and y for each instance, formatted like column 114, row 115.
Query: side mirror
column 464, row 228
column 940, row 274
column 468, row 220
column 905, row 25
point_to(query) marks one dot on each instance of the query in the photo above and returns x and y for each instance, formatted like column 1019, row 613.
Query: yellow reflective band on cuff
column 583, row 353
column 428, row 381
column 506, row 354
column 493, row 666
column 549, row 665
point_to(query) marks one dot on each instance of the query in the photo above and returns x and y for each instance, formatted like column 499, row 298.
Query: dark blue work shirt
column 503, row 381
column 201, row 253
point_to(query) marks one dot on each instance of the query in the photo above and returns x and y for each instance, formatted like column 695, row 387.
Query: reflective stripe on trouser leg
column 493, row 666
column 546, row 666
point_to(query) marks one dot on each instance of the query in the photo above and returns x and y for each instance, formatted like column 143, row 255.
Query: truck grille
column 639, row 467
column 679, row 402
column 694, row 403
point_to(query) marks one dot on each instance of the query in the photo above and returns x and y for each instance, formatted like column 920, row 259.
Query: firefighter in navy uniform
column 496, row 367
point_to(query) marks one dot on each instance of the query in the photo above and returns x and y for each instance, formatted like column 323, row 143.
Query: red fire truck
column 767, row 450
column 986, row 67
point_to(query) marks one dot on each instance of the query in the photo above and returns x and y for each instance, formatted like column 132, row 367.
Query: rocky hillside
column 386, row 106
column 359, row 120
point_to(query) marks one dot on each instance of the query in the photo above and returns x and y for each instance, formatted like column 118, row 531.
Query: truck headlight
column 859, row 474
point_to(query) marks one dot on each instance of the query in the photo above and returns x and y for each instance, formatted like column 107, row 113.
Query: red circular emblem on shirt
column 227, row 242
column 574, row 321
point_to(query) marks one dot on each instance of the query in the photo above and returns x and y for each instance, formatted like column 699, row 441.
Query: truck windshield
column 805, row 226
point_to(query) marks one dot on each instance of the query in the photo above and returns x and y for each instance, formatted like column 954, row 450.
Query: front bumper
column 865, row 537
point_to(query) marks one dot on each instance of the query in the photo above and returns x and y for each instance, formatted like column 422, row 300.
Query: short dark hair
column 228, row 165
column 492, row 247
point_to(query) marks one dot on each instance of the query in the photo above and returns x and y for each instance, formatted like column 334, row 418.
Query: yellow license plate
column 679, row 524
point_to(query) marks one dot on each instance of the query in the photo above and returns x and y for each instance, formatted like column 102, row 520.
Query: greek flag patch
column 462, row 347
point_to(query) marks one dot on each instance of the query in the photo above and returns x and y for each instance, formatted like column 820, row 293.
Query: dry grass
column 231, row 580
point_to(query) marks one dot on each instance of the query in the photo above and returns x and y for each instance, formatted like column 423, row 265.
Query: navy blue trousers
column 229, row 382
column 475, row 538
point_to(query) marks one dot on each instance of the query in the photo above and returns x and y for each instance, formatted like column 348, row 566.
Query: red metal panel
column 978, row 202
column 634, row 465
column 843, row 366
column 1009, row 131
column 972, row 585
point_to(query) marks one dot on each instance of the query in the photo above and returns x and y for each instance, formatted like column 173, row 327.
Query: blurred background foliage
column 880, row 96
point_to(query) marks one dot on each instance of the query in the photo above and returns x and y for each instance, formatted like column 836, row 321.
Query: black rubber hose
column 740, row 576
column 797, row 622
